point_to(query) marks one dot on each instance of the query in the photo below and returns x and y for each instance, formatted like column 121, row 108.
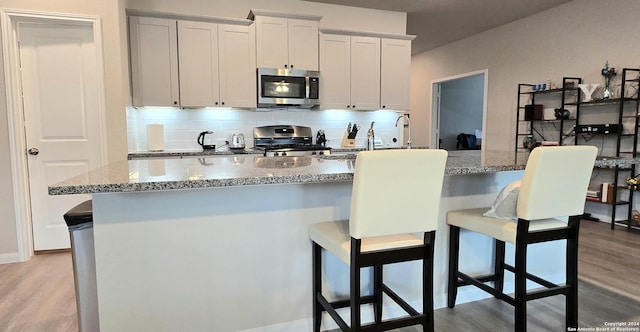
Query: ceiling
column 439, row 22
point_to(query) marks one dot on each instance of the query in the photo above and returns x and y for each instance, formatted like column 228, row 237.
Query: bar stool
column 396, row 193
column 554, row 185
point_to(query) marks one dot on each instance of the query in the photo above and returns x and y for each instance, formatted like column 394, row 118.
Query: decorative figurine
column 587, row 90
column 608, row 74
column 633, row 182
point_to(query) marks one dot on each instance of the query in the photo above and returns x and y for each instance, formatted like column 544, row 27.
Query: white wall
column 574, row 39
column 8, row 236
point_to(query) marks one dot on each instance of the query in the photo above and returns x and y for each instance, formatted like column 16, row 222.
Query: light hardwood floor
column 39, row 296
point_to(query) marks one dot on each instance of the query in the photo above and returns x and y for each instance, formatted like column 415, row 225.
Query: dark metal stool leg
column 355, row 285
column 317, row 285
column 498, row 268
column 427, row 282
column 377, row 291
column 571, row 305
column 521, row 276
column 454, row 249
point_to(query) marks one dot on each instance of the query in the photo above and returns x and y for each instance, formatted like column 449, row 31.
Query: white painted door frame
column 15, row 112
column 435, row 104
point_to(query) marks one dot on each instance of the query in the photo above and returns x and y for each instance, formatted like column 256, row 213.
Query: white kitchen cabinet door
column 154, row 61
column 395, row 73
column 286, row 43
column 237, row 59
column 303, row 44
column 335, row 71
column 365, row 73
column 198, row 62
column 272, row 42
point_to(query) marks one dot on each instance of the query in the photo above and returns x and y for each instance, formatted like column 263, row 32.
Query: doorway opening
column 459, row 107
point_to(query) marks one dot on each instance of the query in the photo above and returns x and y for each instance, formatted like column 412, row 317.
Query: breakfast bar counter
column 220, row 243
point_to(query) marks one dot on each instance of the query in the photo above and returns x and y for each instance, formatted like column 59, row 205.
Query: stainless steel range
column 287, row 140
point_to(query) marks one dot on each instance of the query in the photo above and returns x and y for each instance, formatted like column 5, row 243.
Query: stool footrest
column 538, row 294
column 346, row 303
column 482, row 279
column 402, row 303
column 414, row 317
column 550, row 289
column 332, row 312
column 498, row 294
column 534, row 278
column 396, row 323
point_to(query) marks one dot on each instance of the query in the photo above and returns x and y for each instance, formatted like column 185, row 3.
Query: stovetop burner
column 286, row 140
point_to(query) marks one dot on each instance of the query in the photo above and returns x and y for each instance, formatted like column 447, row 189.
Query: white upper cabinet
column 198, row 47
column 286, row 42
column 395, row 73
column 365, row 73
column 213, row 64
column 237, row 54
column 154, row 61
column 335, row 71
column 303, row 44
column 349, row 72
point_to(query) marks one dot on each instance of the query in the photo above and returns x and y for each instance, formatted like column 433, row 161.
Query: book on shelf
column 606, row 193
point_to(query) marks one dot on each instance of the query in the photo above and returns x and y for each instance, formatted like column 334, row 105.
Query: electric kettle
column 237, row 141
column 206, row 143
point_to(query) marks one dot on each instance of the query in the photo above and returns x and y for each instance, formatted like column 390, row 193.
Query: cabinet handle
column 384, row 106
column 348, row 106
column 175, row 102
column 286, row 66
column 223, row 103
column 216, row 103
column 353, row 106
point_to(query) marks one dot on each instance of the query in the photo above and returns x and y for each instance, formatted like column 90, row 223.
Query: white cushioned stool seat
column 501, row 229
column 334, row 237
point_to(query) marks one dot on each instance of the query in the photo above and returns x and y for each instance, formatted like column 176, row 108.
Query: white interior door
column 62, row 119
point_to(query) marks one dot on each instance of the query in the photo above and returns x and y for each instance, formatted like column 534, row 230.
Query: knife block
column 348, row 142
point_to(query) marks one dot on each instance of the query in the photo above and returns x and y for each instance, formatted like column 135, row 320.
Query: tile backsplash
column 182, row 126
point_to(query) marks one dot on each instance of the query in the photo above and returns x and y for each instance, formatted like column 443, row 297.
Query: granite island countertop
column 251, row 169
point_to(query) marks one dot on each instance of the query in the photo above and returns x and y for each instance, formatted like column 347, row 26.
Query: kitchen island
column 220, row 243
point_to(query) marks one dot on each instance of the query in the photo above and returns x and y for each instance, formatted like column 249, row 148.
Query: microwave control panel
column 314, row 86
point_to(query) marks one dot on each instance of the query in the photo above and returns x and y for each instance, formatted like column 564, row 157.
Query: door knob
column 33, row 151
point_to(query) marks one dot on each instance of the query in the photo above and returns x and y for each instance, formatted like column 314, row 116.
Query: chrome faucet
column 409, row 126
column 371, row 138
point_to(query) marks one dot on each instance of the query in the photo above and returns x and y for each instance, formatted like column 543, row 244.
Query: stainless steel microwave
column 288, row 87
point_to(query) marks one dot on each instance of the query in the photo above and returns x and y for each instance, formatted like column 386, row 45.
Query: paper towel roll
column 155, row 137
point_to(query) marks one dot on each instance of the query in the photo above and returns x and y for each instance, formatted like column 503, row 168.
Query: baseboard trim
column 13, row 257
